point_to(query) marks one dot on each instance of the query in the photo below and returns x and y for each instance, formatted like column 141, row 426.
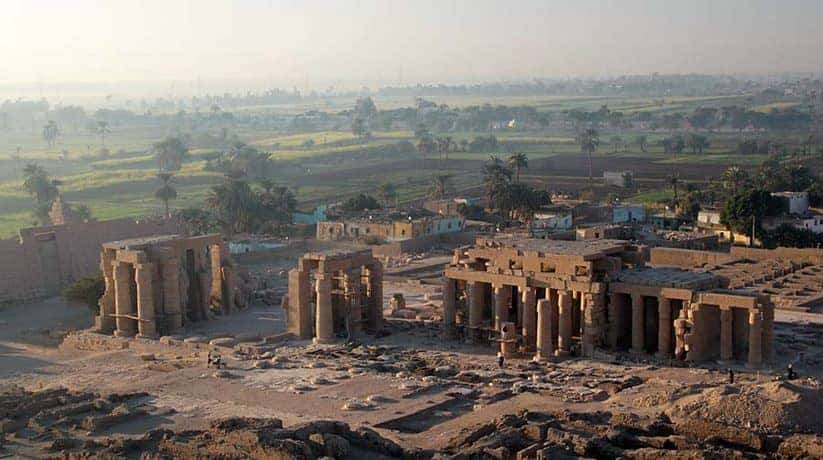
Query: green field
column 334, row 167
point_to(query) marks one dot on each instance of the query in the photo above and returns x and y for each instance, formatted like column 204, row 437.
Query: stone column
column 529, row 318
column 755, row 338
column 146, row 317
column 545, row 343
column 613, row 327
column 216, row 286
column 171, row 296
column 508, row 339
column 664, row 327
column 324, row 327
column 593, row 322
column 373, row 296
column 126, row 325
column 227, row 272
column 638, row 331
column 354, row 300
column 475, row 291
column 449, row 310
column 106, row 316
column 298, row 318
column 726, row 333
column 768, row 332
column 501, row 310
column 565, row 305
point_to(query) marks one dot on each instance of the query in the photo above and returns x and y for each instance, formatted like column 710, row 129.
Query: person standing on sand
column 500, row 359
column 731, row 376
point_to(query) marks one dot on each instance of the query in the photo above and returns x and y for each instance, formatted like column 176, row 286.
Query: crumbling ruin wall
column 398, row 248
column 687, row 258
column 44, row 260
column 808, row 256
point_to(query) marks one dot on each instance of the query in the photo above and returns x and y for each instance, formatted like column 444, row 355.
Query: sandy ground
column 310, row 383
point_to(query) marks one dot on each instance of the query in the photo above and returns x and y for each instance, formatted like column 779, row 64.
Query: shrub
column 87, row 290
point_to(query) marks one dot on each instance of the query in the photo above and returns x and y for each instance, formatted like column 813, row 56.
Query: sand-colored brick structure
column 335, row 292
column 155, row 285
column 567, row 297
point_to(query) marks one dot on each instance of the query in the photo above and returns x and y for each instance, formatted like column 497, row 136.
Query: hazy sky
column 394, row 41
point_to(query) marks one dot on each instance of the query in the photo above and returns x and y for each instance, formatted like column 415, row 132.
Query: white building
column 549, row 221
column 798, row 202
column 616, row 178
column 813, row 223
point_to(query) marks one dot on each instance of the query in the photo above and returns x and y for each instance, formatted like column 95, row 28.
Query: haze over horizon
column 348, row 43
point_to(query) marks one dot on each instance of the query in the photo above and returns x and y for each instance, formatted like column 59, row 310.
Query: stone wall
column 44, row 260
column 686, row 258
column 809, row 256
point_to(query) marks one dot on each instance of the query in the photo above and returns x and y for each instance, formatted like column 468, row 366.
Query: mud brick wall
column 44, row 260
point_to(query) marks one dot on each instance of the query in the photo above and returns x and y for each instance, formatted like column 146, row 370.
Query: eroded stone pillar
column 755, row 338
column 529, row 318
column 125, row 310
column 638, row 330
column 545, row 342
column 501, row 307
column 354, row 299
column 593, row 317
column 564, row 339
column 449, row 309
column 726, row 333
column 324, row 320
column 172, row 306
column 664, row 327
column 475, row 291
column 299, row 316
column 107, row 322
column 508, row 339
column 374, row 295
column 614, row 323
column 768, row 333
column 146, row 317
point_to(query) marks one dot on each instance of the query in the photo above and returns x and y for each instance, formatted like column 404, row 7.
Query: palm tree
column 440, row 186
column 387, row 192
column 170, row 153
column 50, row 133
column 233, row 203
column 166, row 192
column 734, row 178
column 642, row 142
column 518, row 161
column 102, row 129
column 425, row 146
column 497, row 178
column 589, row 139
column 673, row 180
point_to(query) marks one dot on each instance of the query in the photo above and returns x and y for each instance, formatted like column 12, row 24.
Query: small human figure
column 731, row 376
column 790, row 374
column 500, row 359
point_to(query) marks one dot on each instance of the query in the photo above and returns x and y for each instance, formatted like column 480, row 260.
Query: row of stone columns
column 134, row 319
column 353, row 290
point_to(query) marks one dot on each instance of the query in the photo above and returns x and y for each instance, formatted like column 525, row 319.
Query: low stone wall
column 687, row 258
column 808, row 256
column 397, row 248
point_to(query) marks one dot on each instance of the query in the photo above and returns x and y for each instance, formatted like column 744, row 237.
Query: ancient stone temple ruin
column 155, row 285
column 335, row 293
column 555, row 298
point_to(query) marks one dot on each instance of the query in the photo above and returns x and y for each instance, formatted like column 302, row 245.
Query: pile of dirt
column 240, row 438
column 775, row 407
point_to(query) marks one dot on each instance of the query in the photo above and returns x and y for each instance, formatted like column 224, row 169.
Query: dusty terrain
column 408, row 393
